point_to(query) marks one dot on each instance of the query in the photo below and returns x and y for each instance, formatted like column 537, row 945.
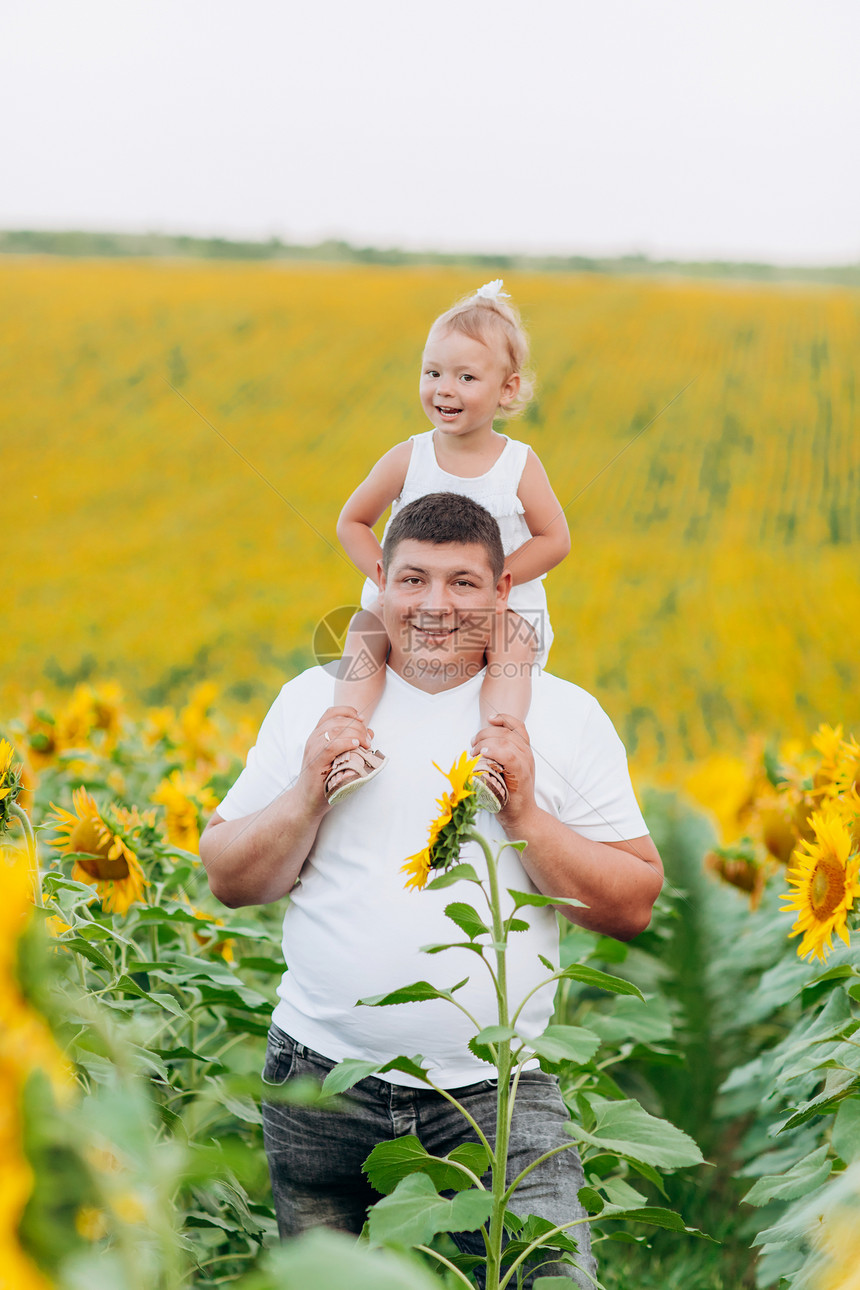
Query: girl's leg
column 361, row 671
column 360, row 682
column 507, row 688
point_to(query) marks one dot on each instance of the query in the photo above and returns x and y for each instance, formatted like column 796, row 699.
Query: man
column 352, row 930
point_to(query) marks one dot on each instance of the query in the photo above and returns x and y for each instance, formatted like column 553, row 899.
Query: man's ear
column 503, row 588
column 380, row 576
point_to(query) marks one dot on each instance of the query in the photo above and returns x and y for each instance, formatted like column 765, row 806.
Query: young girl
column 473, row 371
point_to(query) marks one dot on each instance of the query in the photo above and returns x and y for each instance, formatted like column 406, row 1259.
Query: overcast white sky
column 726, row 128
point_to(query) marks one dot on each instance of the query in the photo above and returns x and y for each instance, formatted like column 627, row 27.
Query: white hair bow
column 493, row 290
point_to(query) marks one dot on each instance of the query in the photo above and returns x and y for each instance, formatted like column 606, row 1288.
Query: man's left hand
column 506, row 741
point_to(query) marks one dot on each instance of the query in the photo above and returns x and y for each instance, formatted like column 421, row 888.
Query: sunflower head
column 740, row 870
column 99, row 843
column 447, row 831
column 824, row 879
column 10, row 783
column 40, row 735
column 418, row 867
column 183, row 796
column 725, row 786
column 199, row 735
column 838, row 770
column 209, row 939
column 777, row 831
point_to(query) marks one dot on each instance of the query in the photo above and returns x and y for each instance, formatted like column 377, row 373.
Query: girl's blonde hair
column 495, row 322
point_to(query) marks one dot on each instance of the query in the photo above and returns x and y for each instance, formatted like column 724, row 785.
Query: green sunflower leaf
column 479, row 1044
column 415, row 993
column 414, row 1213
column 801, row 1178
column 654, row 1216
column 627, row 1129
column 521, row 898
column 459, row 873
column 560, row 1044
column 332, row 1261
column 467, row 919
column 390, row 1162
column 845, row 1134
column 601, row 980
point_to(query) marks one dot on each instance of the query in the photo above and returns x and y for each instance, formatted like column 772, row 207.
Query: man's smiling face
column 439, row 603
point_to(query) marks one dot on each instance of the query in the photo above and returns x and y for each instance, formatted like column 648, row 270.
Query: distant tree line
column 77, row 243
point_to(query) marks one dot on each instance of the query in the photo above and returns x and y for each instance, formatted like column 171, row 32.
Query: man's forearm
column 257, row 859
column 619, row 882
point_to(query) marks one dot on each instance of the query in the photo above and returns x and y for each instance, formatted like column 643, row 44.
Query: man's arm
column 618, row 881
column 258, row 858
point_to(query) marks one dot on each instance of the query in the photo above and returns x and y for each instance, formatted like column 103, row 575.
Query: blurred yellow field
column 179, row 438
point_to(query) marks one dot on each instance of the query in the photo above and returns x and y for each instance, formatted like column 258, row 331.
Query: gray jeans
column 315, row 1157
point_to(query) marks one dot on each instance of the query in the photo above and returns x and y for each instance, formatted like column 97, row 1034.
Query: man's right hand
column 257, row 858
column 338, row 730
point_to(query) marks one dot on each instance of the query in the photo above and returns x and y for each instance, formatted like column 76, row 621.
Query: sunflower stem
column 18, row 813
column 503, row 1064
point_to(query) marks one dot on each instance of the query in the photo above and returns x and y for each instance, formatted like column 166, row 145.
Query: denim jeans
column 315, row 1157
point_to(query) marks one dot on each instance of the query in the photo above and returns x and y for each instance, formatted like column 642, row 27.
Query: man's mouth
column 433, row 631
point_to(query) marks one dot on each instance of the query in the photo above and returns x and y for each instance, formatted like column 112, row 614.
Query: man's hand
column 506, row 741
column 258, row 858
column 617, row 881
column 338, row 730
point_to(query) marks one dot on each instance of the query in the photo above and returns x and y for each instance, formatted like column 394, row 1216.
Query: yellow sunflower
column 458, row 777
column 210, row 941
column 825, row 881
column 839, row 1239
column 183, row 796
column 10, row 783
column 198, row 736
column 839, row 767
column 419, row 865
column 777, row 830
column 27, row 1045
column 743, row 872
column 6, row 754
column 102, row 855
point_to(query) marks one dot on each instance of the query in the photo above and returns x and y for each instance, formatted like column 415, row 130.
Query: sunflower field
column 181, row 438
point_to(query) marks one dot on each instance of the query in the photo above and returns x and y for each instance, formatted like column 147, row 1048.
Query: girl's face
column 463, row 383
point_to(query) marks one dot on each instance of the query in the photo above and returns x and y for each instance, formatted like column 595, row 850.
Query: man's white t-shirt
column 353, row 930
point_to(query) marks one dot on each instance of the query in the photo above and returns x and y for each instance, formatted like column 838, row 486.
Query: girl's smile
column 463, row 383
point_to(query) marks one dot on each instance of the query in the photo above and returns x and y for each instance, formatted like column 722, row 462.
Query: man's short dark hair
column 444, row 518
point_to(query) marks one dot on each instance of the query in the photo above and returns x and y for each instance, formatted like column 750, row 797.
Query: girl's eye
column 432, row 372
column 466, row 377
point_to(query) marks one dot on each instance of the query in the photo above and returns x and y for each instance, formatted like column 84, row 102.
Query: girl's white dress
column 497, row 492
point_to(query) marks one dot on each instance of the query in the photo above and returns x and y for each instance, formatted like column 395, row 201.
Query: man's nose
column 437, row 598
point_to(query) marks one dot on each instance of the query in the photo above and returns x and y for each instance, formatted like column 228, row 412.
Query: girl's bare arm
column 367, row 503
column 550, row 540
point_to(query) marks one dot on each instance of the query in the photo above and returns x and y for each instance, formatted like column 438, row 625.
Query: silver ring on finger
column 327, row 736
